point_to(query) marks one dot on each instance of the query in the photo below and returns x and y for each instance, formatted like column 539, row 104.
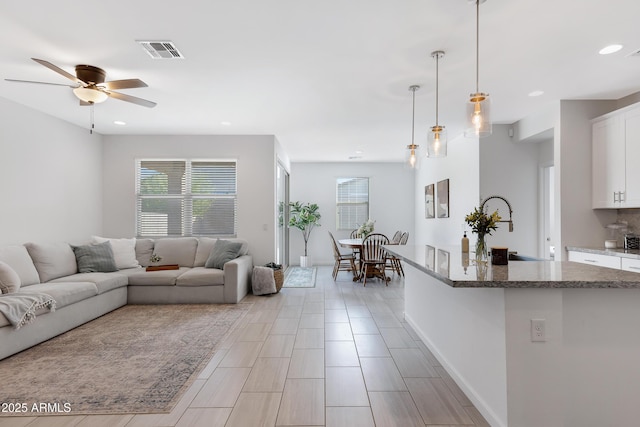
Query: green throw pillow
column 223, row 251
column 95, row 258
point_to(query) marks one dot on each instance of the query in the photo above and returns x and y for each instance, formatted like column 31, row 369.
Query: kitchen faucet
column 510, row 221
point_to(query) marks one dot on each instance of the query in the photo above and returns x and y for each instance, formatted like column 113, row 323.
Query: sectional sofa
column 52, row 269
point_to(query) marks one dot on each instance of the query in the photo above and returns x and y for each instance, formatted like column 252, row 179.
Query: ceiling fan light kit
column 89, row 95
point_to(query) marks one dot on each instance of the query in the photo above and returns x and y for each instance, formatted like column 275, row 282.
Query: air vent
column 158, row 49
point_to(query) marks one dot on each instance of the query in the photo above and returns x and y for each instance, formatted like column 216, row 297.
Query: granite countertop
column 451, row 266
column 621, row 252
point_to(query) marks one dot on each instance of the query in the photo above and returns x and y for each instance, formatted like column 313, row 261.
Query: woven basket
column 278, row 275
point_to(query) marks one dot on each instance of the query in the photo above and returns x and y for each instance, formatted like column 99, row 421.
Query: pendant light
column 412, row 157
column 479, row 105
column 437, row 138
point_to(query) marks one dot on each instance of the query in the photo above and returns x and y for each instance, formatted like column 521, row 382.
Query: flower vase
column 482, row 257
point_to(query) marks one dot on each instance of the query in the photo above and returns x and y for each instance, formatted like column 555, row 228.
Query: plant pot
column 304, row 261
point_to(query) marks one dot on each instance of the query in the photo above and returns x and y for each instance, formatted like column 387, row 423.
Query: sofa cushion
column 104, row 281
column 223, row 251
column 94, row 258
column 205, row 245
column 52, row 260
column 124, row 251
column 20, row 261
column 176, row 250
column 201, row 276
column 156, row 278
column 9, row 279
column 144, row 250
column 65, row 293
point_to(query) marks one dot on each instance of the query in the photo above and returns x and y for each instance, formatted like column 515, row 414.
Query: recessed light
column 612, row 48
column 119, row 123
column 536, row 93
column 225, row 123
column 359, row 151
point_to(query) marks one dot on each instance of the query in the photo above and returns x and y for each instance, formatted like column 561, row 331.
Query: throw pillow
column 95, row 258
column 124, row 251
column 9, row 279
column 223, row 251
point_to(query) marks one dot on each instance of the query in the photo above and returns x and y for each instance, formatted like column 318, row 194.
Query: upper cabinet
column 616, row 159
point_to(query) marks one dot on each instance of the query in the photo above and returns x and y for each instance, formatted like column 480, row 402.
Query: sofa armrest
column 237, row 278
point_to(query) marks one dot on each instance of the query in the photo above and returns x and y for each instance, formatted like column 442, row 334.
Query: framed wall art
column 429, row 201
column 443, row 199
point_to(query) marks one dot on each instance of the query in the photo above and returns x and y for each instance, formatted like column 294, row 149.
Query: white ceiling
column 329, row 77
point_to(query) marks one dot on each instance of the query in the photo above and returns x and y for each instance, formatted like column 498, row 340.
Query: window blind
column 186, row 198
column 352, row 202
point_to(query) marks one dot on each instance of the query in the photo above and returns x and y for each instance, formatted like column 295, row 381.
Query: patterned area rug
column 137, row 359
column 300, row 277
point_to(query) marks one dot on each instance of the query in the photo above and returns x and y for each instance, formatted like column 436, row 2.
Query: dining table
column 355, row 244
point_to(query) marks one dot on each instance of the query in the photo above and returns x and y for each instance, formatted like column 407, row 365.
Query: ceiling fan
column 90, row 86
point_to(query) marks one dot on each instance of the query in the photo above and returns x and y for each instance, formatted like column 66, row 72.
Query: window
column 352, row 202
column 186, row 198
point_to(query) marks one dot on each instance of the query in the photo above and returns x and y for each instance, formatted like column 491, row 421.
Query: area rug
column 300, row 277
column 136, row 359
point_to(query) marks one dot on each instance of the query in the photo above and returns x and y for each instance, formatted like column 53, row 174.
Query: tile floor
column 335, row 355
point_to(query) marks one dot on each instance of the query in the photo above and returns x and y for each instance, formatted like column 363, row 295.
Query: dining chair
column 396, row 237
column 343, row 262
column 373, row 257
column 394, row 263
column 356, row 251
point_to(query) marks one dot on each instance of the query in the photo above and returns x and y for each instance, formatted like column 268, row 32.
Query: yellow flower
column 482, row 223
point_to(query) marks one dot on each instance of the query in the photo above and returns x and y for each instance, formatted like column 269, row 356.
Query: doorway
column 282, row 215
column 547, row 209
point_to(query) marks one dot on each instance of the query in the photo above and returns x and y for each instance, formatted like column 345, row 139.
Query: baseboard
column 469, row 391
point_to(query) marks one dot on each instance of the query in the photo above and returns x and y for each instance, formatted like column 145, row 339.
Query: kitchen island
column 579, row 370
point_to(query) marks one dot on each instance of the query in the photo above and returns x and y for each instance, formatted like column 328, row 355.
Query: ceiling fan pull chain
column 91, row 119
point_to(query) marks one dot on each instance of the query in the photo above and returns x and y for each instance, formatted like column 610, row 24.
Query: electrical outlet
column 538, row 330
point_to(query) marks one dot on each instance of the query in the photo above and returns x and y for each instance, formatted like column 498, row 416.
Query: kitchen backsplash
column 632, row 218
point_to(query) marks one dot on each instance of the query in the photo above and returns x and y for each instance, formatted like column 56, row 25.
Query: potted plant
column 304, row 216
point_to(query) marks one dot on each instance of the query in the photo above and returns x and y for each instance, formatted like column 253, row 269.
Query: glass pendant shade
column 437, row 142
column 478, row 116
column 412, row 156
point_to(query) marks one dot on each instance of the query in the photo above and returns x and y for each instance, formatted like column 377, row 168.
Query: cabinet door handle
column 634, row 268
column 623, row 196
column 615, row 198
column 591, row 260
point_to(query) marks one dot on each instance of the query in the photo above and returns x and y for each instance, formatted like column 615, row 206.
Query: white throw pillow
column 9, row 279
column 124, row 251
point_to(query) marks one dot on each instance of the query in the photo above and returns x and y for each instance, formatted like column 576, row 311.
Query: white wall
column 256, row 181
column 577, row 224
column 461, row 167
column 391, row 198
column 51, row 178
column 510, row 169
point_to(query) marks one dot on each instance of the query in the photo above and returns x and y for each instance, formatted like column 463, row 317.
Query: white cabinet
column 595, row 259
column 629, row 264
column 615, row 159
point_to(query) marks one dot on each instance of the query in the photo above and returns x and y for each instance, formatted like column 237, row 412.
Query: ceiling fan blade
column 123, row 84
column 133, row 99
column 40, row 83
column 59, row 70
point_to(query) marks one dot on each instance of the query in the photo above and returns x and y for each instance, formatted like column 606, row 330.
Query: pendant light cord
column 413, row 117
column 477, row 45
column 437, row 78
